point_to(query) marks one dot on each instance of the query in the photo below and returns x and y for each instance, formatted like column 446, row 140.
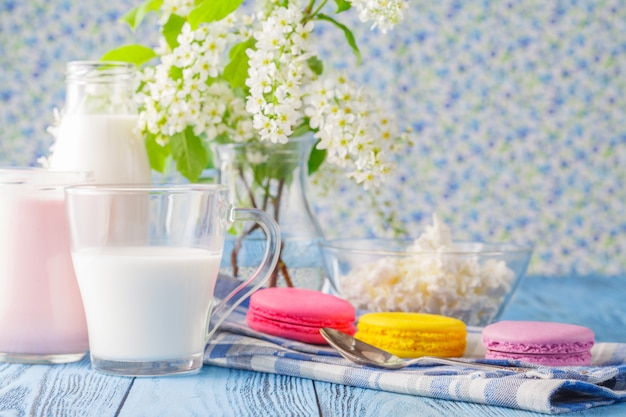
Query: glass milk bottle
column 98, row 129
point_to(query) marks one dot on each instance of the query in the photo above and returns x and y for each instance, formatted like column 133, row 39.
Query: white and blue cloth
column 544, row 390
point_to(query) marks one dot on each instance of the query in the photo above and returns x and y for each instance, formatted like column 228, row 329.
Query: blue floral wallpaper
column 518, row 111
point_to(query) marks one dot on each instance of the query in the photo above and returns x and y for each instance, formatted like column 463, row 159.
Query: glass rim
column 120, row 188
column 40, row 169
column 43, row 177
column 100, row 64
column 292, row 141
column 482, row 248
column 99, row 71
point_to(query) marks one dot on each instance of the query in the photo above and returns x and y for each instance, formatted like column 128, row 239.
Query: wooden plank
column 221, row 392
column 342, row 401
column 59, row 390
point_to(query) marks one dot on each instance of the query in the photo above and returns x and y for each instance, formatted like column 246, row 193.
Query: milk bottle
column 98, row 128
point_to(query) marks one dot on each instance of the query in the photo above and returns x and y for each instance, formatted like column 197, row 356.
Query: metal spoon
column 363, row 353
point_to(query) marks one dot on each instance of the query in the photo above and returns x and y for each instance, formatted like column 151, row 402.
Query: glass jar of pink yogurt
column 41, row 312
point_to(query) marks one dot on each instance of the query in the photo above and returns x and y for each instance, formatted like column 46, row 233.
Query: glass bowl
column 473, row 283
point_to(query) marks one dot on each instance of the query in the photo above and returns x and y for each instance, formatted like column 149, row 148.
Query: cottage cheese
column 438, row 279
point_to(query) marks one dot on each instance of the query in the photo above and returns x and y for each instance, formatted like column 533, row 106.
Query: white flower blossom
column 189, row 88
column 172, row 103
column 355, row 133
column 178, row 7
column 277, row 69
column 384, row 13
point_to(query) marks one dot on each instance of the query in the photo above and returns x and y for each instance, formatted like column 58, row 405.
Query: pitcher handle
column 260, row 276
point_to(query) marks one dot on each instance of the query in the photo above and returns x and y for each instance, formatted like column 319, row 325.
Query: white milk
column 108, row 145
column 146, row 303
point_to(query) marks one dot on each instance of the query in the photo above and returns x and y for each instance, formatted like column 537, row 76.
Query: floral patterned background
column 518, row 110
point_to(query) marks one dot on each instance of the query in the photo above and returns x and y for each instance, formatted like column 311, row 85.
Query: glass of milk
column 42, row 319
column 147, row 271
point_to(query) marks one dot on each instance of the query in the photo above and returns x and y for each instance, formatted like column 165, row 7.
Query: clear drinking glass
column 41, row 312
column 147, row 260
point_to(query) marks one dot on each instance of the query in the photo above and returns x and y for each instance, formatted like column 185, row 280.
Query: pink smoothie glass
column 42, row 319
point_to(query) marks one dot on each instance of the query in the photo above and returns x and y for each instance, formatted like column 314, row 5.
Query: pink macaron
column 298, row 314
column 543, row 343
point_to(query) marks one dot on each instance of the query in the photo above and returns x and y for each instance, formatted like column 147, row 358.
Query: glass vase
column 272, row 177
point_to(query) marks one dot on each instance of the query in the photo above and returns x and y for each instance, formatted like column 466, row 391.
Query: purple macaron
column 543, row 343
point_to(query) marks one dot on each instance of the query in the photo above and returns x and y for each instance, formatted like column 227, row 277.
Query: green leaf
column 301, row 129
column 286, row 171
column 210, row 158
column 279, row 167
column 157, row 154
column 189, row 153
column 212, row 11
column 222, row 138
column 136, row 15
column 176, row 73
column 347, row 33
column 136, row 54
column 316, row 65
column 236, row 71
column 276, row 167
column 172, row 29
column 342, row 5
column 316, row 159
column 261, row 172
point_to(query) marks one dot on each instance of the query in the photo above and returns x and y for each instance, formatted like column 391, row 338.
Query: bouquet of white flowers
column 225, row 76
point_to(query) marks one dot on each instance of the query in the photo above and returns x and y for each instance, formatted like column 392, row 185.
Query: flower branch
column 226, row 74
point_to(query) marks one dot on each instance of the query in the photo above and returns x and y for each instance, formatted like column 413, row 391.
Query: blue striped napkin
column 544, row 390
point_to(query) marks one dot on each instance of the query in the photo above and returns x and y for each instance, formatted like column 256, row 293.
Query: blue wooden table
column 76, row 390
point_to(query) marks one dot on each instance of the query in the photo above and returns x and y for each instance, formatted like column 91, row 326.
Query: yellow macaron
column 410, row 335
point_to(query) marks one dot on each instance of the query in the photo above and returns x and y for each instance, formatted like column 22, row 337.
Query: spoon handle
column 475, row 365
